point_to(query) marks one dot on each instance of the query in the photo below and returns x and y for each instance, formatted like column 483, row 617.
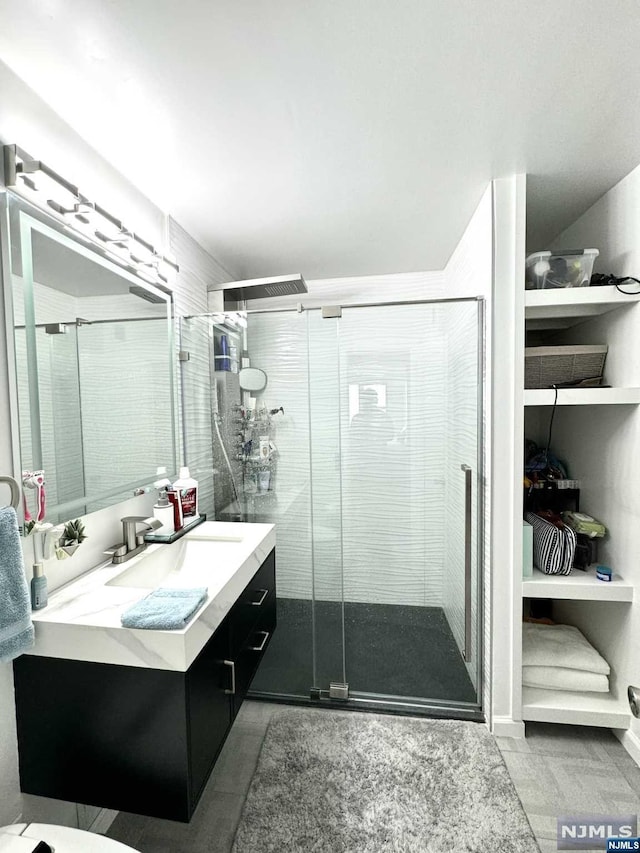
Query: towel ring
column 15, row 490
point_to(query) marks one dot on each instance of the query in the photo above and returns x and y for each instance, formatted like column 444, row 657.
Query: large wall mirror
column 94, row 358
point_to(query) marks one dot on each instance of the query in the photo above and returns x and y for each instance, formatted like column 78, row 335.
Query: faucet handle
column 117, row 550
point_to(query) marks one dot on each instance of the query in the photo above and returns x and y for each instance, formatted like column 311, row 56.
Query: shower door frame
column 396, row 704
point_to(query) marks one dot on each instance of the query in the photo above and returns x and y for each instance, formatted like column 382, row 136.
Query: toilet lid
column 65, row 839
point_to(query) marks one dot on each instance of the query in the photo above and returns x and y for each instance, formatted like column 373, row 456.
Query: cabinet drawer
column 252, row 604
column 253, row 650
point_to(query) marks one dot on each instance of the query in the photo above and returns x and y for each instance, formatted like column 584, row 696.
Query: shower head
column 262, row 288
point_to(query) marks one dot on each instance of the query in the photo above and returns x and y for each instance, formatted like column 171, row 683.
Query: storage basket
column 571, row 365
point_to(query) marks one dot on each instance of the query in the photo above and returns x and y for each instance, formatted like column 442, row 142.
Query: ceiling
column 341, row 137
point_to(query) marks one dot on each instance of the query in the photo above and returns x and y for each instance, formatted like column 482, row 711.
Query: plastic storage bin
column 572, row 365
column 569, row 268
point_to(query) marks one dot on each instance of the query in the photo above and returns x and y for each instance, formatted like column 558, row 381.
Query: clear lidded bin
column 567, row 268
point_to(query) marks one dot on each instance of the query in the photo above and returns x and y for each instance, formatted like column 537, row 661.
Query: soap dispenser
column 163, row 511
column 39, row 595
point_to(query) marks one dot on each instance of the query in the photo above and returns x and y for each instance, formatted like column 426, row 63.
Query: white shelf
column 581, row 586
column 578, row 709
column 567, row 306
column 582, row 396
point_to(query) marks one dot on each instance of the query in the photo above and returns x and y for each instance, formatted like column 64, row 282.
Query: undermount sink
column 190, row 561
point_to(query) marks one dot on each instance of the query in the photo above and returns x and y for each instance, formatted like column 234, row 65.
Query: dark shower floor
column 395, row 650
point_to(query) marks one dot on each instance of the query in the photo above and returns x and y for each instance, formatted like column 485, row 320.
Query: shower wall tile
column 198, row 270
column 278, row 345
column 377, row 508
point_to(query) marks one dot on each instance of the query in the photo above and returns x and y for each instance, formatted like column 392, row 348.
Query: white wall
column 506, row 369
column 604, row 455
column 28, row 122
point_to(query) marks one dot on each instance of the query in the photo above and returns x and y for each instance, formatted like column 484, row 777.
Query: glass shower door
column 395, row 420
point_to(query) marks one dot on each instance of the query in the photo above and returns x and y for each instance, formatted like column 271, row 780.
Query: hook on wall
column 14, row 488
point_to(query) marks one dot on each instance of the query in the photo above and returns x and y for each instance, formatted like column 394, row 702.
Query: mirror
column 94, row 366
column 252, row 379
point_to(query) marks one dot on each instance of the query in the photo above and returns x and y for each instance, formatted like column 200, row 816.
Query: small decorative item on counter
column 72, row 537
column 604, row 573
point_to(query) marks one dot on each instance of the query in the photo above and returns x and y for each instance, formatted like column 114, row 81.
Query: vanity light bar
column 40, row 184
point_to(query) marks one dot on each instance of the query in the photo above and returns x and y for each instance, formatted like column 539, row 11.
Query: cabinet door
column 209, row 710
column 253, row 649
column 252, row 604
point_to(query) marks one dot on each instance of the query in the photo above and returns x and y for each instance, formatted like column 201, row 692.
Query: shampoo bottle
column 188, row 488
column 39, row 596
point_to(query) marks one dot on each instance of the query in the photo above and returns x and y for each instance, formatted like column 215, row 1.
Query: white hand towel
column 560, row 678
column 560, row 645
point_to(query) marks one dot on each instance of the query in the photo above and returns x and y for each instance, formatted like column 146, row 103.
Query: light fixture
column 35, row 181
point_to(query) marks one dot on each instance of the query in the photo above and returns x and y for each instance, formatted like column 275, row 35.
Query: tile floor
column 556, row 770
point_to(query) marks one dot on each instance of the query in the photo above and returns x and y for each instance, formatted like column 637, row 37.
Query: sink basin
column 191, row 561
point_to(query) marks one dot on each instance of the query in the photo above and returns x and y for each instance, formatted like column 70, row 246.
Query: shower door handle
column 468, row 494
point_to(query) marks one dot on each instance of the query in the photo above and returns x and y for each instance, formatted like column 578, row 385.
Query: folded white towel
column 560, row 678
column 560, row 645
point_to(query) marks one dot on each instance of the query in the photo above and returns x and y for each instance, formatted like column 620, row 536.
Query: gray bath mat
column 338, row 781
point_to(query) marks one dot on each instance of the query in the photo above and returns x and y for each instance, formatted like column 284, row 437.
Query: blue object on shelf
column 604, row 573
column 221, row 357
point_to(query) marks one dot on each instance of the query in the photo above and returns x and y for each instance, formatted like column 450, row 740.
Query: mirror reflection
column 94, row 370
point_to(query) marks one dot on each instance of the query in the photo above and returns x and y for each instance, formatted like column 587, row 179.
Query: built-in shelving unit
column 580, row 586
column 582, row 396
column 555, row 311
column 568, row 306
column 578, row 709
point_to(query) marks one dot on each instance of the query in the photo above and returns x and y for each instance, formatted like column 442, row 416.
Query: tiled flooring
column 557, row 770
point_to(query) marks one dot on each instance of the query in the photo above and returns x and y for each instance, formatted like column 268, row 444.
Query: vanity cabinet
column 139, row 739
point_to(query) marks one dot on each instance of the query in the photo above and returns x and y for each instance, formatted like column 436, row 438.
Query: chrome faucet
column 133, row 538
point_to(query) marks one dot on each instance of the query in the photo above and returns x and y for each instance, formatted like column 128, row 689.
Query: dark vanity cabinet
column 136, row 739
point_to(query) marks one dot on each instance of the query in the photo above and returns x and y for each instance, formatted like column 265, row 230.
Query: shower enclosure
column 365, row 450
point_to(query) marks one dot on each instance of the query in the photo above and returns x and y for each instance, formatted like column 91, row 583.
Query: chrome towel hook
column 15, row 490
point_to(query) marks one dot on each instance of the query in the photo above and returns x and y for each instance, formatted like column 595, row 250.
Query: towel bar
column 15, row 490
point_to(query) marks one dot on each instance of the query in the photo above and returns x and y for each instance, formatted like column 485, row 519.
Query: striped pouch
column 554, row 545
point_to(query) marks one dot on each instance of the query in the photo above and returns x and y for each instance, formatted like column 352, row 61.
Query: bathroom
column 349, row 505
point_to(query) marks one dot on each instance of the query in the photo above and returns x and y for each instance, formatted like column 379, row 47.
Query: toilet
column 25, row 837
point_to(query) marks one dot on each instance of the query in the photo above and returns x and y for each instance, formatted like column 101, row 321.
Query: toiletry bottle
column 163, row 511
column 176, row 504
column 188, row 488
column 39, row 596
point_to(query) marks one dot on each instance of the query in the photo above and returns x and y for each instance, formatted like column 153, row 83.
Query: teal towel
column 16, row 628
column 165, row 609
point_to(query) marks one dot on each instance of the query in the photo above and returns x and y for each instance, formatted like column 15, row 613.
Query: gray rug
column 365, row 783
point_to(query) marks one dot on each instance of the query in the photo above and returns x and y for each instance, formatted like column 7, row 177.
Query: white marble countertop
column 82, row 618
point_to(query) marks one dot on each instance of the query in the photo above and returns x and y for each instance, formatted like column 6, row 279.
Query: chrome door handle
column 468, row 494
column 262, row 644
column 231, row 664
column 265, row 593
